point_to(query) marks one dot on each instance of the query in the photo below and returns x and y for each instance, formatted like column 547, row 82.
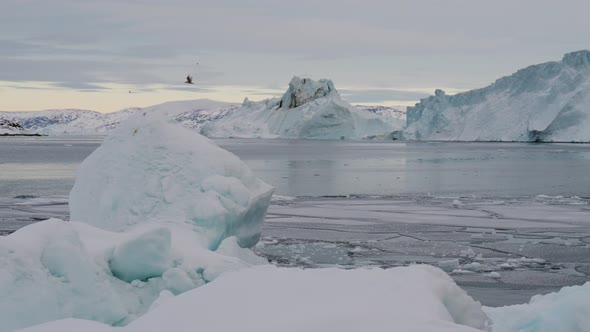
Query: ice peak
column 304, row 90
column 577, row 59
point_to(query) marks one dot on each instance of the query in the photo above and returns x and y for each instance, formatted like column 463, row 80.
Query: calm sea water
column 423, row 225
column 47, row 166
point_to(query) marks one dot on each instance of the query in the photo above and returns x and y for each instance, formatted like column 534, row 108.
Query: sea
column 505, row 220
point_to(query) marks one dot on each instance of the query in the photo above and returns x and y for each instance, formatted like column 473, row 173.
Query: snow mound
column 565, row 311
column 56, row 269
column 150, row 169
column 416, row 298
column 309, row 109
column 540, row 103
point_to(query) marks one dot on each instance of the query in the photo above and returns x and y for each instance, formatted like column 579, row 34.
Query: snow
column 148, row 210
column 416, row 298
column 150, row 169
column 545, row 102
column 565, row 311
column 309, row 109
column 10, row 127
column 191, row 113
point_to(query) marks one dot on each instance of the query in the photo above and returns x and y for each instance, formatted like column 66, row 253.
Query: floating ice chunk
column 151, row 169
column 449, row 264
column 494, row 275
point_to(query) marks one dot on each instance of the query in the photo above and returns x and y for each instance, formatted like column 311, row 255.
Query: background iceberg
column 541, row 103
column 309, row 109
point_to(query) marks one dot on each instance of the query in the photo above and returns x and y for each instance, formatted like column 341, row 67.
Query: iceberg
column 156, row 211
column 415, row 298
column 565, row 311
column 150, row 169
column 549, row 102
column 308, row 110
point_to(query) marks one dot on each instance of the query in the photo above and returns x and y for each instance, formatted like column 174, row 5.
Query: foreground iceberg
column 541, row 103
column 157, row 210
column 309, row 109
column 150, row 169
column 416, row 298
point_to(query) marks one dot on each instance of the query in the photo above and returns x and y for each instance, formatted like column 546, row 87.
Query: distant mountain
column 541, row 103
column 191, row 113
column 8, row 127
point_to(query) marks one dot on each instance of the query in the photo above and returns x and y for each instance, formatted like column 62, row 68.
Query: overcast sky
column 89, row 54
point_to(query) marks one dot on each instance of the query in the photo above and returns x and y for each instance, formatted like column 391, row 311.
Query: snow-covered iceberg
column 156, row 210
column 416, row 298
column 540, row 103
column 309, row 109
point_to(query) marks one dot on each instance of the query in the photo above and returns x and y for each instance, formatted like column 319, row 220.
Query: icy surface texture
column 309, row 109
column 545, row 102
column 56, row 269
column 152, row 170
column 565, row 311
column 417, row 298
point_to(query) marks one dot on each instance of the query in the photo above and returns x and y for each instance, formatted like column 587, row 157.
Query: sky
column 92, row 54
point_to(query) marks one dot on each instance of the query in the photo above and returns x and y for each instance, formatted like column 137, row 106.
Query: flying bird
column 189, row 79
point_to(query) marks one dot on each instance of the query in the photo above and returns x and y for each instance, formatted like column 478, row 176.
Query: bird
column 189, row 79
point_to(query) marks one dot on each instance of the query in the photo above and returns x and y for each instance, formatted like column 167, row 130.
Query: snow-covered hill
column 308, row 109
column 8, row 127
column 191, row 113
column 540, row 103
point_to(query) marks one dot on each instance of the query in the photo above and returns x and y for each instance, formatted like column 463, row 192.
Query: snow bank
column 417, row 298
column 309, row 109
column 56, row 269
column 545, row 102
column 565, row 311
column 149, row 209
column 150, row 169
